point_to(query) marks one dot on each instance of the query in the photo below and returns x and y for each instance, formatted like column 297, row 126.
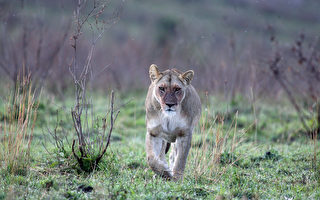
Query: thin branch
column 112, row 120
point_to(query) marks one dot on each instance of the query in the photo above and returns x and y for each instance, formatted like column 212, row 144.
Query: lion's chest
column 168, row 126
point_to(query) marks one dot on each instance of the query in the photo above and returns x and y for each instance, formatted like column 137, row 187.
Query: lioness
column 173, row 109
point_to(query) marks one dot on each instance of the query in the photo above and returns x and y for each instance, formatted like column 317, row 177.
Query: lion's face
column 169, row 89
column 169, row 93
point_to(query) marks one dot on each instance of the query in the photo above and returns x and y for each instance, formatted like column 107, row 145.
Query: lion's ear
column 154, row 72
column 187, row 76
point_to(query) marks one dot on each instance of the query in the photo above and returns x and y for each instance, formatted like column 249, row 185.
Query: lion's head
column 170, row 87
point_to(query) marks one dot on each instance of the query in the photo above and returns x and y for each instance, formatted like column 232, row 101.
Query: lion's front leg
column 155, row 147
column 181, row 148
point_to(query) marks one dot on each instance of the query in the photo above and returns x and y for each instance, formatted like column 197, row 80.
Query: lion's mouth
column 170, row 110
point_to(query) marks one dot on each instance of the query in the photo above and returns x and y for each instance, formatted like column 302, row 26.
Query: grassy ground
column 267, row 161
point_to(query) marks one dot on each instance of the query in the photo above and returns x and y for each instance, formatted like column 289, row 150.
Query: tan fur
column 173, row 109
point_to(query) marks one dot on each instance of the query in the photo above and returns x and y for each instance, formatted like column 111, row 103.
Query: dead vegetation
column 16, row 131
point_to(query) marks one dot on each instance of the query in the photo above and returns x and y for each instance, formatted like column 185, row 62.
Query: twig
column 112, row 120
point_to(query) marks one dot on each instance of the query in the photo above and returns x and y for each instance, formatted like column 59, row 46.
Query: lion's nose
column 170, row 105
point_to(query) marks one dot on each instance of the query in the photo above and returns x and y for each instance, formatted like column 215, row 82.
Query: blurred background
column 231, row 45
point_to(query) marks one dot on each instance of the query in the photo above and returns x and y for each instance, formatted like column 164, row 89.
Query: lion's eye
column 177, row 89
column 161, row 89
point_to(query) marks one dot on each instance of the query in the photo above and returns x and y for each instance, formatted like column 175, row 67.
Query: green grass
column 274, row 167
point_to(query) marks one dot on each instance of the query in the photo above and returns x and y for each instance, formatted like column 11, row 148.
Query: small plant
column 301, row 67
column 17, row 129
column 90, row 133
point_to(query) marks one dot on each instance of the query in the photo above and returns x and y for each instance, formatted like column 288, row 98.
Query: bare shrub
column 297, row 70
column 92, row 133
column 90, row 140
